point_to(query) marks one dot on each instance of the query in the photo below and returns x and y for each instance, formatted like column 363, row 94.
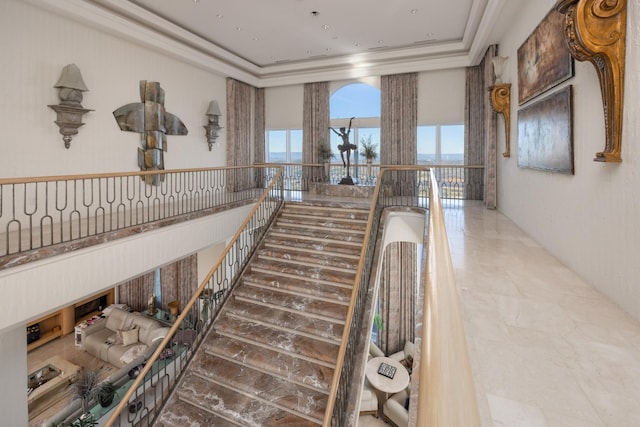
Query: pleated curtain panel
column 239, row 125
column 315, row 129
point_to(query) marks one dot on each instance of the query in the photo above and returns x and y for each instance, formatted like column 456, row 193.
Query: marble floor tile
column 546, row 348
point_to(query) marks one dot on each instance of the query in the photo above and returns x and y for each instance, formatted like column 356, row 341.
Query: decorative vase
column 369, row 161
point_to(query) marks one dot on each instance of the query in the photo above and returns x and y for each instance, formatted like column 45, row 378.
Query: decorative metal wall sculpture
column 596, row 31
column 150, row 119
column 70, row 110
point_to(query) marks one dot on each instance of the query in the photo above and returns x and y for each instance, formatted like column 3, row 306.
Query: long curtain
column 315, row 127
column 259, row 132
column 136, row 292
column 398, row 146
column 480, row 132
column 399, row 119
column 239, row 125
column 179, row 281
column 397, row 296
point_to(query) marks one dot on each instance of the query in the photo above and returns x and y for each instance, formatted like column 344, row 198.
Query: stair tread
column 298, row 285
column 333, row 211
column 248, row 407
column 178, row 413
column 313, row 273
column 278, row 364
column 300, row 303
column 312, row 245
column 252, row 384
column 299, row 322
column 318, row 234
column 288, row 342
column 321, row 260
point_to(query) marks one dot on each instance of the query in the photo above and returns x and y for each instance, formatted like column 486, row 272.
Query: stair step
column 317, row 235
column 271, row 391
column 290, row 343
column 301, row 323
column 330, row 261
column 327, row 226
column 299, row 286
column 312, row 246
column 183, row 414
column 306, row 305
column 326, row 211
column 263, row 266
column 228, row 389
column 301, row 372
column 325, row 221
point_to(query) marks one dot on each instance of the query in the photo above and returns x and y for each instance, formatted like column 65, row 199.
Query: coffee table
column 56, row 373
column 383, row 385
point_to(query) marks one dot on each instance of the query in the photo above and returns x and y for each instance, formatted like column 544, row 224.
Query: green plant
column 85, row 386
column 106, row 392
column 325, row 153
column 368, row 149
column 377, row 321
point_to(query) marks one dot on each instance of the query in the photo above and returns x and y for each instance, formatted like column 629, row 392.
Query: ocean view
column 423, row 159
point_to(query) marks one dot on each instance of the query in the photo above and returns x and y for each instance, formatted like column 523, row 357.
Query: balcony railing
column 455, row 182
column 37, row 213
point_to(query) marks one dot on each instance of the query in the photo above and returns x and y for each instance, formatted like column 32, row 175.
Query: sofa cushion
column 119, row 320
column 129, row 336
column 146, row 326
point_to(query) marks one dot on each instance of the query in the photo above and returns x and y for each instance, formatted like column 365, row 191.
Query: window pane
column 355, row 100
column 426, row 145
column 452, row 144
column 277, row 146
column 295, row 141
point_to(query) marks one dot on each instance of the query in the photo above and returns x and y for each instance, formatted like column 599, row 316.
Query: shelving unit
column 62, row 322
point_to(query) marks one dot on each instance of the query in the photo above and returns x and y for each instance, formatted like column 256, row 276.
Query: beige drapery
column 315, row 127
column 239, row 121
column 136, row 292
column 398, row 146
column 179, row 281
column 480, row 131
column 399, row 119
column 259, row 124
column 397, row 296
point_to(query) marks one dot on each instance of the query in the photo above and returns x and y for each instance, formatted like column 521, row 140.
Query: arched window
column 362, row 101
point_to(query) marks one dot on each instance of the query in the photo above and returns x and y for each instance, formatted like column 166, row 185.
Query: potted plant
column 325, row 154
column 105, row 394
column 85, row 387
column 368, row 150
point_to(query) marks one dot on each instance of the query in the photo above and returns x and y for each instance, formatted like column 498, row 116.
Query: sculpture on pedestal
column 345, row 147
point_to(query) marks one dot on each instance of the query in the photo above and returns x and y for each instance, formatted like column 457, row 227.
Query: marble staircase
column 270, row 355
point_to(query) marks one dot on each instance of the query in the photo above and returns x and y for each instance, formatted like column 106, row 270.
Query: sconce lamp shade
column 214, row 109
column 71, row 78
column 498, row 63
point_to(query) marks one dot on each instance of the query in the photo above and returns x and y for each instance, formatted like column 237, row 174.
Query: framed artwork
column 545, row 133
column 544, row 59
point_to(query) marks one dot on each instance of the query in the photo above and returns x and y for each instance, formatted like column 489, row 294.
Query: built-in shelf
column 63, row 321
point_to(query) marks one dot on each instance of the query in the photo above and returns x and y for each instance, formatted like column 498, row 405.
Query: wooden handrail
column 446, row 389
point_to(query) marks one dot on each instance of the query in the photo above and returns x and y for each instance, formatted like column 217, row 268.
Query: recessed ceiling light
column 315, row 13
column 219, row 16
column 255, row 39
column 325, row 27
column 380, row 41
column 238, row 28
column 414, row 11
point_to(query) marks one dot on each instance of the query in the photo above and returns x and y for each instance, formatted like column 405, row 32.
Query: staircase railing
column 41, row 212
column 444, row 393
column 144, row 397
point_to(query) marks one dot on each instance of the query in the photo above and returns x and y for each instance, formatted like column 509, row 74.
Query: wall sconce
column 501, row 100
column 70, row 111
column 212, row 127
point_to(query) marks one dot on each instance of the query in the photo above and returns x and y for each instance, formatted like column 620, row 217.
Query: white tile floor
column 546, row 348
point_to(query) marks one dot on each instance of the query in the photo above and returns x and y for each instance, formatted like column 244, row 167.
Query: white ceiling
column 272, row 42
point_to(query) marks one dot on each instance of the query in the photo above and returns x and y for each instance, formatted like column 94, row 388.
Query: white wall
column 589, row 220
column 37, row 44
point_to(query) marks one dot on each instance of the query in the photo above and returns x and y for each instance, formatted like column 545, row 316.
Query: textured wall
column 589, row 220
column 36, row 44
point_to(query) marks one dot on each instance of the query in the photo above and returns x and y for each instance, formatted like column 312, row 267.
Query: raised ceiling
column 272, row 42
